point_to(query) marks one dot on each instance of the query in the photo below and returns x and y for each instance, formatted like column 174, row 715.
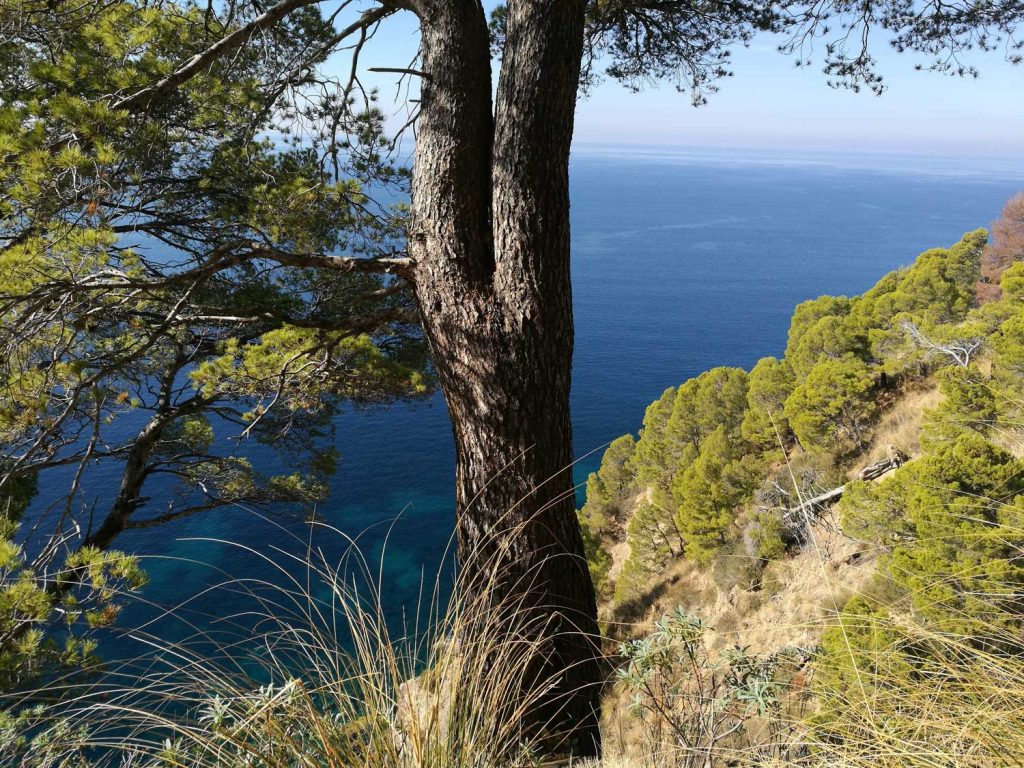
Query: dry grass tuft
column 324, row 684
column 901, row 426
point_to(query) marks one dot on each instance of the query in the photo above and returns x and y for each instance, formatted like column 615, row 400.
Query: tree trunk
column 129, row 495
column 136, row 466
column 490, row 240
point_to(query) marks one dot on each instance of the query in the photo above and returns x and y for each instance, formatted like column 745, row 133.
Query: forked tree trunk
column 490, row 241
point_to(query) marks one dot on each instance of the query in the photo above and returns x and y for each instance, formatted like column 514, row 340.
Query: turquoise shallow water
column 682, row 260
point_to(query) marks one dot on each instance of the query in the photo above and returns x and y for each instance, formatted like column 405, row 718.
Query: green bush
column 698, row 710
column 969, row 402
column 834, row 406
column 608, row 487
column 766, row 536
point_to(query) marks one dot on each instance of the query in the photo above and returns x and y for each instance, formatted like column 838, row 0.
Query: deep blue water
column 681, row 261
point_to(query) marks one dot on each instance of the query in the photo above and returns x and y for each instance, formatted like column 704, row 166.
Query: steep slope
column 694, row 511
column 889, row 610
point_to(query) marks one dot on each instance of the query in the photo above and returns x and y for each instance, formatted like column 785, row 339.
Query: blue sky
column 771, row 104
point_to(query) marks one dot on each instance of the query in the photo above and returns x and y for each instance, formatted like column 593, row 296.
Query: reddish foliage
column 1005, row 247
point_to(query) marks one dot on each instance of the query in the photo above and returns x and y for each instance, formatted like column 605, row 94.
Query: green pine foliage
column 764, row 424
column 599, row 561
column 696, row 476
column 49, row 626
column 650, row 458
column 609, row 486
column 655, row 540
column 943, row 617
column 708, row 492
column 834, row 406
column 766, row 535
column 603, row 513
column 951, row 523
column 823, row 331
column 801, row 350
column 167, row 273
column 715, row 399
column 944, row 614
column 969, row 403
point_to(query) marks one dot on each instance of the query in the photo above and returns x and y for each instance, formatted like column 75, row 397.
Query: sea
column 682, row 260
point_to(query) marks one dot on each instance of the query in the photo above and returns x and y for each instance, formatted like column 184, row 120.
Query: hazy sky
column 770, row 103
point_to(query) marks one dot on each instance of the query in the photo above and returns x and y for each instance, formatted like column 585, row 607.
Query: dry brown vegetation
column 900, row 425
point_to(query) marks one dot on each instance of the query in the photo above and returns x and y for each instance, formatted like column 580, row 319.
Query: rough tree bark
column 490, row 242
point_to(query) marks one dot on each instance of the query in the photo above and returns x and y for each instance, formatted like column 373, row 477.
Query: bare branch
column 960, row 351
column 402, row 71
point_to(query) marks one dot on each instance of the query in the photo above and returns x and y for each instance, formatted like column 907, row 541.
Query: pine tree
column 834, row 404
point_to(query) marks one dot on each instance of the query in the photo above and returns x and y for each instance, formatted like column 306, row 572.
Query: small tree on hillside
column 938, row 288
column 1008, row 345
column 1013, row 283
column 764, row 424
column 650, row 463
column 717, row 398
column 969, row 404
column 654, row 536
column 707, row 493
column 805, row 317
column 829, row 338
column 607, row 487
column 833, row 404
column 952, row 520
column 936, row 291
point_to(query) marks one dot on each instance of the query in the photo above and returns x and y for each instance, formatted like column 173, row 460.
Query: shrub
column 698, row 711
column 607, row 488
column 766, row 536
